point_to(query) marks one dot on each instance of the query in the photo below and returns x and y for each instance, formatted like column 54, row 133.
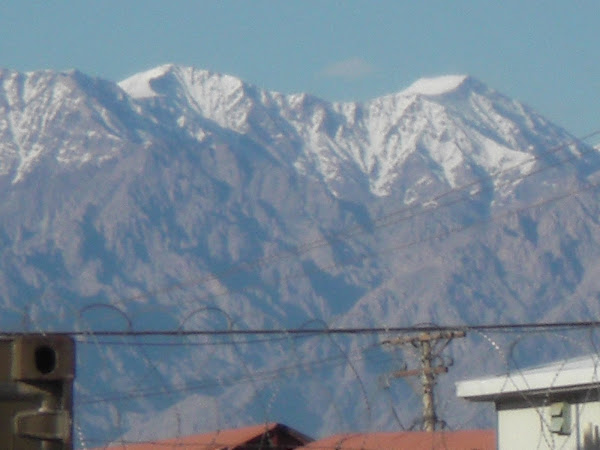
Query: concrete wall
column 523, row 424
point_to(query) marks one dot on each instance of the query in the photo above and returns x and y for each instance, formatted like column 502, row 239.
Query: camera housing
column 37, row 372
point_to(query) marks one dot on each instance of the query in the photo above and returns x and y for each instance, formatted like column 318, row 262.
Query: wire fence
column 135, row 385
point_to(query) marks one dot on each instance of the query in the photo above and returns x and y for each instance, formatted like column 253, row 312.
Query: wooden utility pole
column 430, row 345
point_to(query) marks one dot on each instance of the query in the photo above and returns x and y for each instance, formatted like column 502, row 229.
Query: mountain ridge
column 261, row 210
column 371, row 140
column 332, row 142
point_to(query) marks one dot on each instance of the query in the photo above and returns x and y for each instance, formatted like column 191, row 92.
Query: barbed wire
column 368, row 362
column 266, row 383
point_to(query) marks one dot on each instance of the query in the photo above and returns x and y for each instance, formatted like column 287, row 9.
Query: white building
column 556, row 406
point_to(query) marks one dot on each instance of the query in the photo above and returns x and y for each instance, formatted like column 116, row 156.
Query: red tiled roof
column 413, row 440
column 218, row 440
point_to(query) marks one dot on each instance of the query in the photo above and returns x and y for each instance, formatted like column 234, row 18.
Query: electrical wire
column 265, row 375
column 381, row 222
column 529, row 326
column 247, row 266
column 402, row 246
column 80, row 340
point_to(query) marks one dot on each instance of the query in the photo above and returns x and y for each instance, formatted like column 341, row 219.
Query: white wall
column 522, row 426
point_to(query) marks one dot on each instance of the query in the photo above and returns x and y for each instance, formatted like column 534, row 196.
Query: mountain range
column 181, row 199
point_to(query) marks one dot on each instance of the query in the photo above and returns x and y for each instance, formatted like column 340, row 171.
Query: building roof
column 570, row 375
column 413, row 440
column 218, row 440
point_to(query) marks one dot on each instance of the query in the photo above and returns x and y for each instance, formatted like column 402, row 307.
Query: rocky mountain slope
column 181, row 198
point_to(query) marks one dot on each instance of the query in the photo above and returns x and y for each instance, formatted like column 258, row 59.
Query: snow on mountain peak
column 138, row 85
column 63, row 118
column 353, row 143
column 348, row 143
column 436, row 86
column 141, row 86
column 191, row 91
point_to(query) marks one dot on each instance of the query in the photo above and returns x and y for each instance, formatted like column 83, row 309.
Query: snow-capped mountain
column 454, row 125
column 181, row 198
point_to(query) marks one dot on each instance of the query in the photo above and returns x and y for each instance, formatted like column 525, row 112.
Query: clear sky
column 544, row 53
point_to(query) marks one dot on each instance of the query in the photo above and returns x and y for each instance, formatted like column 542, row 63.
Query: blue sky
column 544, row 53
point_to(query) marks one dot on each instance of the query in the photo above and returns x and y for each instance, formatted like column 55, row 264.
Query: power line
column 264, row 375
column 284, row 371
column 530, row 326
column 229, row 342
column 437, row 236
column 248, row 266
column 350, row 232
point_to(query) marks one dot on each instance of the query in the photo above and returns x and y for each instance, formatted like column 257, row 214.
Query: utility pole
column 430, row 345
